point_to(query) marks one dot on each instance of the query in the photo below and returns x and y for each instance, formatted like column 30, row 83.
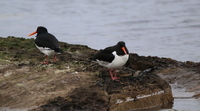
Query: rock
column 77, row 83
column 130, row 92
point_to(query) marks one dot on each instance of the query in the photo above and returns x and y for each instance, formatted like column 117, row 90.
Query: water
column 164, row 28
column 183, row 101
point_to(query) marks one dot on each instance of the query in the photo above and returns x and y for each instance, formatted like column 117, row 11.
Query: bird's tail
column 58, row 50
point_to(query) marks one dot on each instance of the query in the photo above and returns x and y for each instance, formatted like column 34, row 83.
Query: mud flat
column 76, row 83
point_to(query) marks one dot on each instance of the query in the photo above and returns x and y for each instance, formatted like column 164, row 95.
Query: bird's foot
column 54, row 59
column 115, row 79
column 45, row 63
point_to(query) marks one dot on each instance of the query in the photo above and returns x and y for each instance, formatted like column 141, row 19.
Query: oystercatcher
column 113, row 57
column 46, row 43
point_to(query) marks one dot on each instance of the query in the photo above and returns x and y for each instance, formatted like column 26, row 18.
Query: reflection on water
column 184, row 101
column 187, row 104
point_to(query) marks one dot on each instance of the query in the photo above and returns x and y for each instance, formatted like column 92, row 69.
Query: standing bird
column 46, row 43
column 113, row 57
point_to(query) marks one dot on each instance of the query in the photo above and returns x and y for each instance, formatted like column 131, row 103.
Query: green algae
column 17, row 49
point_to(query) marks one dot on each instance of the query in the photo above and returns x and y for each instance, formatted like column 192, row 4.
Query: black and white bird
column 113, row 57
column 46, row 43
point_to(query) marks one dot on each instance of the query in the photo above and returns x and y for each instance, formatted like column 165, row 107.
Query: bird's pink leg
column 46, row 60
column 111, row 74
column 54, row 58
column 113, row 77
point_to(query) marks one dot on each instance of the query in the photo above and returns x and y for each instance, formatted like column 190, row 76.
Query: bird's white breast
column 118, row 61
column 46, row 50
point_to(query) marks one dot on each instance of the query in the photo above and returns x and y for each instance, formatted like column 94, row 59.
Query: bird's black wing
column 107, row 57
column 47, row 40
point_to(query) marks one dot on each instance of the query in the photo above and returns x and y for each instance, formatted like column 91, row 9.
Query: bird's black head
column 122, row 45
column 41, row 29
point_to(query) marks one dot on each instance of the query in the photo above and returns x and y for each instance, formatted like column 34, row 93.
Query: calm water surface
column 164, row 28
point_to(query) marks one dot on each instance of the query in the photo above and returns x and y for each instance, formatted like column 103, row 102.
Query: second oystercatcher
column 46, row 43
column 113, row 57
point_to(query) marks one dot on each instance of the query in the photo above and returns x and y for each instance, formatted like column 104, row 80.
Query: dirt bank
column 77, row 83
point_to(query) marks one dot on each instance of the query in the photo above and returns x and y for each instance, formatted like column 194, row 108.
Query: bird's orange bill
column 32, row 33
column 124, row 49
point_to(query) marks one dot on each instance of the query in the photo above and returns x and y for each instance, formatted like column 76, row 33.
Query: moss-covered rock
column 77, row 83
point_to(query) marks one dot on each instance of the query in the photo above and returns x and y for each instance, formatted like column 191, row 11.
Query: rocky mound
column 77, row 83
column 131, row 92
